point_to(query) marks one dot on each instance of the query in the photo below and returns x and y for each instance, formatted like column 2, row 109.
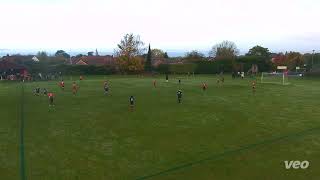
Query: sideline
column 22, row 122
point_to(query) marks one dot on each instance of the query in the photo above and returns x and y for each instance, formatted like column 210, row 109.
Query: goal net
column 275, row 78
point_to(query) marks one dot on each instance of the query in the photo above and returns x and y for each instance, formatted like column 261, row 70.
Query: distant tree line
column 131, row 57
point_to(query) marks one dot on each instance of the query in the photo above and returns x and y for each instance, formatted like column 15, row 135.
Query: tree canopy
column 157, row 53
column 129, row 53
column 130, row 46
column 259, row 51
column 62, row 53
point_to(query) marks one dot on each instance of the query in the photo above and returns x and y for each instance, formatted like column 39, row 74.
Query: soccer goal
column 275, row 78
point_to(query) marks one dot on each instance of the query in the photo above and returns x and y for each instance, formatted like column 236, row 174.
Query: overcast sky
column 279, row 25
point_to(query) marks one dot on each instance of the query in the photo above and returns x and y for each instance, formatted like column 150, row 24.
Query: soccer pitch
column 226, row 132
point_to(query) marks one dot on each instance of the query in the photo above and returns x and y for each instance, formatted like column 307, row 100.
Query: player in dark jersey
column 222, row 79
column 179, row 81
column 45, row 92
column 106, row 87
column 37, row 91
column 179, row 95
column 131, row 101
column 233, row 75
column 167, row 78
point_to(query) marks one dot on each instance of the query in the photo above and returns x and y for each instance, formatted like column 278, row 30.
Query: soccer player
column 154, row 83
column 37, row 91
column 179, row 81
column 233, row 75
column 45, row 92
column 106, row 87
column 167, row 78
column 51, row 96
column 81, row 78
column 62, row 85
column 131, row 101
column 242, row 75
column 74, row 88
column 179, row 95
column 254, row 87
column 34, row 91
column 204, row 86
column 218, row 81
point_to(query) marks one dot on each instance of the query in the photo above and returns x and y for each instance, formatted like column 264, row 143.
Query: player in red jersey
column 254, row 86
column 51, row 97
column 74, row 88
column 62, row 85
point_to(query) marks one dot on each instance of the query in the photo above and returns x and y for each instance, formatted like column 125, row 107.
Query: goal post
column 274, row 78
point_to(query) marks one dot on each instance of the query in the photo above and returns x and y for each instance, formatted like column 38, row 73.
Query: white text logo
column 296, row 164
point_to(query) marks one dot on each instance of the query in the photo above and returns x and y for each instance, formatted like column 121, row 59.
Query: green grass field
column 223, row 133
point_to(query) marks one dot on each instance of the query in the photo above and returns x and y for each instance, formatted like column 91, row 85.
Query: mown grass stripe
column 228, row 152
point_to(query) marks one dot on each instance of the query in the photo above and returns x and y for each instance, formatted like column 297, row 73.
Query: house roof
column 93, row 60
column 7, row 65
column 18, row 58
column 80, row 62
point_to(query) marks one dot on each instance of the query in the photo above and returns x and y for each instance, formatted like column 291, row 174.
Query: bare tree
column 194, row 55
column 225, row 49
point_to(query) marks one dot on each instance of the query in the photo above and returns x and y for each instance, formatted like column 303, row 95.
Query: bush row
column 89, row 70
column 199, row 67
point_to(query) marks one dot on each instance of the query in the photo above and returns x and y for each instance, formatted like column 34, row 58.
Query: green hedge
column 88, row 70
column 198, row 67
column 213, row 67
column 182, row 68
column 264, row 64
column 201, row 67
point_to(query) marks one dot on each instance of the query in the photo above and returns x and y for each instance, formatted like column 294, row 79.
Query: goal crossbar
column 277, row 78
